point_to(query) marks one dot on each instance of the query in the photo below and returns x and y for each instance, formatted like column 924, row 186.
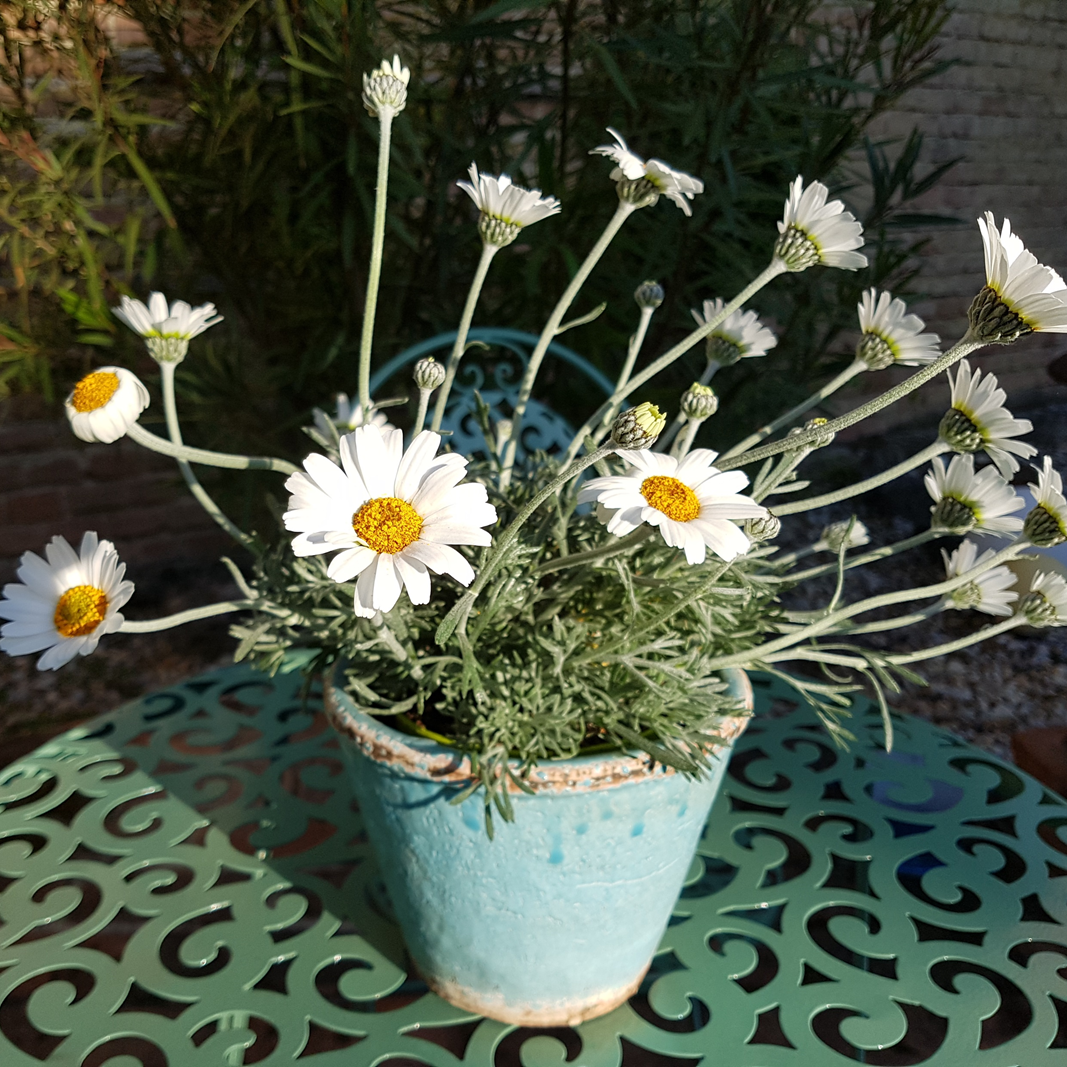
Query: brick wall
column 52, row 483
column 1003, row 107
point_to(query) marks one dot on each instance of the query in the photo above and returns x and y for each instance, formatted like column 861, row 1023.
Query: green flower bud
column 428, row 374
column 763, row 529
column 638, row 427
column 649, row 295
column 699, row 402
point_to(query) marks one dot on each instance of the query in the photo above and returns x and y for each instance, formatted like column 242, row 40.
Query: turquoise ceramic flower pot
column 556, row 919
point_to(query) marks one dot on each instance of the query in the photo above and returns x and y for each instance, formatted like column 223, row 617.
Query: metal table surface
column 184, row 882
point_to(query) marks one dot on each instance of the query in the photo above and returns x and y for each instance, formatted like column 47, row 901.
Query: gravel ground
column 983, row 693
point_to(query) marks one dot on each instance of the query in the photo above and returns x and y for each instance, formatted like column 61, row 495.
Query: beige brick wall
column 1003, row 107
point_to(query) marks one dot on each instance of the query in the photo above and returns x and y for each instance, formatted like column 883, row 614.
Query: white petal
column 416, row 463
column 415, row 576
column 442, row 560
column 346, row 565
column 387, row 587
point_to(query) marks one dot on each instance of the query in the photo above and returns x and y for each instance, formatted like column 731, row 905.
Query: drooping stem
column 794, row 507
column 374, row 272
column 767, row 275
column 621, row 544
column 622, row 213
column 828, row 389
column 170, row 410
column 167, row 622
column 457, row 617
column 209, row 459
column 488, row 251
column 960, row 349
column 873, row 556
column 829, row 622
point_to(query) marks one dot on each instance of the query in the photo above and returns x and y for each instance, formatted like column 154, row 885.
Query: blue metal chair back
column 542, row 428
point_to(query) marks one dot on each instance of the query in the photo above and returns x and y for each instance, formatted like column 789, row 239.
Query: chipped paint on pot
column 556, row 920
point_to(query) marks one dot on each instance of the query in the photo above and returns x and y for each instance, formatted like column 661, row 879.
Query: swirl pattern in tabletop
column 185, row 883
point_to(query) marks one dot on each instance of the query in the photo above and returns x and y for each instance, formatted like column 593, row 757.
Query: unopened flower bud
column 821, row 441
column 699, row 402
column 1042, row 529
column 833, row 536
column 386, row 87
column 649, row 295
column 428, row 374
column 638, row 427
column 765, row 528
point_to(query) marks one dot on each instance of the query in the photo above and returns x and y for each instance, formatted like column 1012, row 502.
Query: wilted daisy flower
column 1020, row 295
column 833, row 536
column 990, row 591
column 966, row 500
column 505, row 208
column 979, row 420
column 814, row 231
column 1046, row 525
column 348, row 415
column 389, row 514
column 167, row 330
column 692, row 502
column 642, row 182
column 386, row 87
column 891, row 335
column 64, row 605
column 1046, row 603
column 740, row 335
column 105, row 404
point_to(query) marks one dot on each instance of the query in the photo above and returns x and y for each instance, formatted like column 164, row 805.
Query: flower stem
column 960, row 349
column 374, row 272
column 457, row 617
column 170, row 409
column 829, row 388
column 632, row 351
column 767, row 275
column 420, row 417
column 209, row 459
column 147, row 626
column 828, row 622
column 873, row 556
column 488, row 251
column 622, row 213
column 621, row 544
column 793, row 507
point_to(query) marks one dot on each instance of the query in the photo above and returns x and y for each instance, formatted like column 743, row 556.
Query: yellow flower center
column 94, row 390
column 387, row 524
column 674, row 498
column 80, row 611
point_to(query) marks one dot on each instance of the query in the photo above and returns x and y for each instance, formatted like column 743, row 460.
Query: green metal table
column 184, row 883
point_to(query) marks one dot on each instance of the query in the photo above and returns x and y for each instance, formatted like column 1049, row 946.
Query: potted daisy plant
column 537, row 664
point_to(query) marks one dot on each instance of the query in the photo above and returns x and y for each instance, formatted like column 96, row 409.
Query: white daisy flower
column 693, row 503
column 1020, row 295
column 1046, row 525
column 814, row 231
column 167, row 329
column 979, row 420
column 891, row 335
column 105, row 404
column 386, row 87
column 739, row 336
column 642, row 182
column 348, row 416
column 990, row 592
column 834, row 535
column 389, row 514
column 65, row 605
column 968, row 500
column 505, row 208
column 1046, row 603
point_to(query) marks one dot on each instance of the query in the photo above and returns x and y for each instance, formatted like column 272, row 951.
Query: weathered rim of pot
column 422, row 757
